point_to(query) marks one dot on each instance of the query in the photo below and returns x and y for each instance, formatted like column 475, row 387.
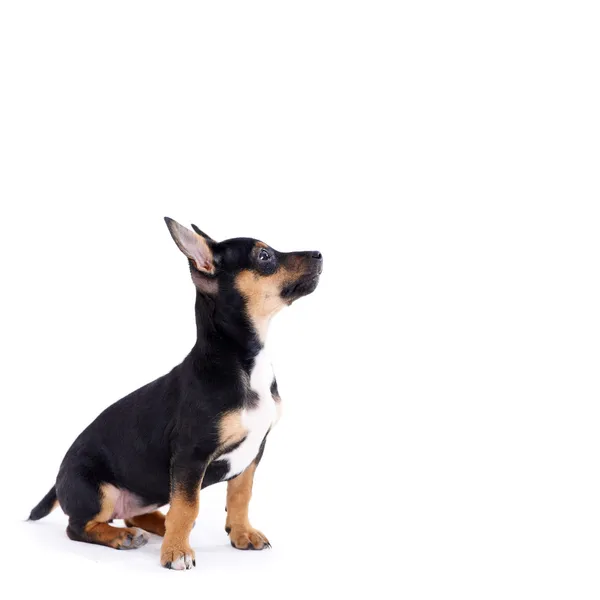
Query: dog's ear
column 196, row 247
column 200, row 232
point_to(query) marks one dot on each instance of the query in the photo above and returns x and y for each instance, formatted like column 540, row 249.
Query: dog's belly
column 126, row 504
column 257, row 419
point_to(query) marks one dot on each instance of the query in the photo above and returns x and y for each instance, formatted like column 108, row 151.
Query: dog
column 205, row 422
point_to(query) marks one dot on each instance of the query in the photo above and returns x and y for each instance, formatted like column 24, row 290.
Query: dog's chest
column 257, row 418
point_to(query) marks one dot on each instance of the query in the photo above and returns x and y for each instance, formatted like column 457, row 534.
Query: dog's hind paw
column 134, row 540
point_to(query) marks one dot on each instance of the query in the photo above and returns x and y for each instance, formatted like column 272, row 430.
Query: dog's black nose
column 316, row 254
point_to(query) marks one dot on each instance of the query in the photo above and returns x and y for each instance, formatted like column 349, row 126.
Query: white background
column 440, row 431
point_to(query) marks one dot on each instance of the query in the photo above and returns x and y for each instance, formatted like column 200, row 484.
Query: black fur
column 165, row 434
column 45, row 505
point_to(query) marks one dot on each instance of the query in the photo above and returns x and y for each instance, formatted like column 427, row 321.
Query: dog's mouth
column 305, row 284
column 302, row 287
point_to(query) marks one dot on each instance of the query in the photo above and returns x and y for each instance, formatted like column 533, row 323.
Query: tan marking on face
column 263, row 292
column 263, row 296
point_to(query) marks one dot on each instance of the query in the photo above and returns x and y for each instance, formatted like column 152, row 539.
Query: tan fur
column 263, row 296
column 241, row 533
column 184, row 510
column 263, row 292
column 153, row 522
column 98, row 531
column 231, row 429
column 107, row 535
column 108, row 498
column 178, row 524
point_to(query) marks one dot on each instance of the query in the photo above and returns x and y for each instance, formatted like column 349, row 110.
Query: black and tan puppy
column 206, row 421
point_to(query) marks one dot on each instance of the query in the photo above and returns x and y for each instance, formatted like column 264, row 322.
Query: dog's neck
column 223, row 328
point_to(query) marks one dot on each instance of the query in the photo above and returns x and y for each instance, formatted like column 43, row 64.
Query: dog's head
column 247, row 273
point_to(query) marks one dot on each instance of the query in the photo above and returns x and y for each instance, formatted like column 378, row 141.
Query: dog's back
column 206, row 421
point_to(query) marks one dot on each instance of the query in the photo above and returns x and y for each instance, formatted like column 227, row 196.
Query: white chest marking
column 256, row 420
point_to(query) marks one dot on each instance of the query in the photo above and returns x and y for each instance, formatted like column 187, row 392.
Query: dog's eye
column 264, row 255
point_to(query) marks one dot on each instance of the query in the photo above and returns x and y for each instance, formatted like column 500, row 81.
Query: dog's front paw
column 247, row 538
column 177, row 556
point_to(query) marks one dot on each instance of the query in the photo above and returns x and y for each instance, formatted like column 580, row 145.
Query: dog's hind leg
column 95, row 532
column 153, row 522
column 90, row 508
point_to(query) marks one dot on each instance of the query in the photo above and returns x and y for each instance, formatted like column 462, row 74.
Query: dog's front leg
column 186, row 479
column 242, row 535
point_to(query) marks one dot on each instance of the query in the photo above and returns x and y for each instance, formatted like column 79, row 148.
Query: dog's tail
column 48, row 503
